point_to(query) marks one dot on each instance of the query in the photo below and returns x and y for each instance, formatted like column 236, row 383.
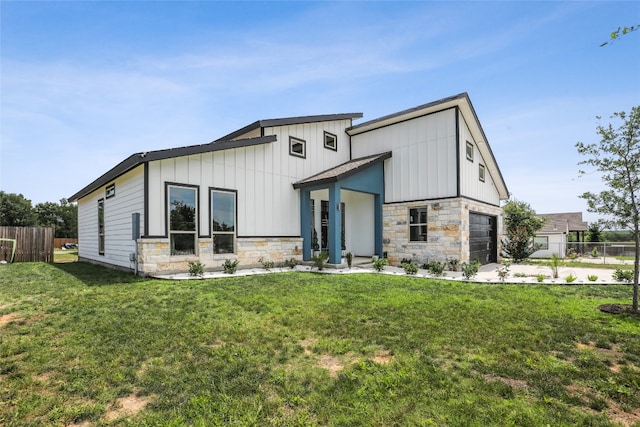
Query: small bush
column 621, row 275
column 410, row 268
column 379, row 263
column 453, row 264
column 291, row 263
column 405, row 261
column 592, row 277
column 594, row 253
column 196, row 268
column 267, row 264
column 540, row 277
column 519, row 274
column 349, row 259
column 436, row 268
column 503, row 271
column 570, row 278
column 230, row 267
column 320, row 259
column 470, row 269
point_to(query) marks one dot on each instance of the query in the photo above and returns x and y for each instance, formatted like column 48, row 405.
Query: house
column 421, row 184
column 554, row 234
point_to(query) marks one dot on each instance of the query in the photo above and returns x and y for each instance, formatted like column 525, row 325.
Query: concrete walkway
column 486, row 274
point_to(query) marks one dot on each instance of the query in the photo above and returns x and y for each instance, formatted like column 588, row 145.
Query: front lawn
column 81, row 345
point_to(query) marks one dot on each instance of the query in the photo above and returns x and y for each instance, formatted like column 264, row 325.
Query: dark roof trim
column 139, row 158
column 289, row 121
column 342, row 171
column 462, row 95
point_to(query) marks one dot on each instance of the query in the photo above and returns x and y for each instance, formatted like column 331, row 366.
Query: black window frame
column 170, row 231
column 335, row 141
column 482, row 171
column 214, row 232
column 469, row 151
column 293, row 140
column 101, row 227
column 423, row 236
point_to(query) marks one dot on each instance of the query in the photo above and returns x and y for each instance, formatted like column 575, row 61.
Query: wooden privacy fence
column 26, row 244
column 59, row 241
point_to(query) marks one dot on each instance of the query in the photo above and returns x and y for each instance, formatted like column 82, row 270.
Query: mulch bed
column 619, row 309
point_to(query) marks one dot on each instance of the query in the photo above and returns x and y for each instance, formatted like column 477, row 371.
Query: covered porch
column 349, row 215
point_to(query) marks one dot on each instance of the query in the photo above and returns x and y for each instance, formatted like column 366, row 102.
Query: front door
column 483, row 238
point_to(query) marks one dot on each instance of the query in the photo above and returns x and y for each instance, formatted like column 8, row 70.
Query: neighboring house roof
column 261, row 124
column 563, row 223
column 461, row 101
column 148, row 156
column 342, row 171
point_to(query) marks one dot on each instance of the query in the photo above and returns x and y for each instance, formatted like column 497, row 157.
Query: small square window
column 297, row 147
column 541, row 243
column 110, row 191
column 469, row 151
column 481, row 172
column 330, row 141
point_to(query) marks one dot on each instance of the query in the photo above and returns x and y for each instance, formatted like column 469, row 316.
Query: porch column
column 305, row 223
column 335, row 225
column 377, row 202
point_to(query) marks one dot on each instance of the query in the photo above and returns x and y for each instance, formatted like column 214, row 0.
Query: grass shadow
column 97, row 275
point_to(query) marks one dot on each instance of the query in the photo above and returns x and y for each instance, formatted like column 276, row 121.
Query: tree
column 520, row 227
column 617, row 158
column 621, row 31
column 62, row 217
column 16, row 210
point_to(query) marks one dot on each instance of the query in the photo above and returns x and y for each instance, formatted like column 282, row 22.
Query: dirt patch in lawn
column 127, row 406
column 619, row 309
column 5, row 319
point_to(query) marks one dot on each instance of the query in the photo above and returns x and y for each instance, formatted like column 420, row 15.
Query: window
column 469, row 151
column 223, row 221
column 418, row 224
column 101, row 227
column 330, row 141
column 541, row 242
column 297, row 147
column 481, row 172
column 110, row 191
column 183, row 219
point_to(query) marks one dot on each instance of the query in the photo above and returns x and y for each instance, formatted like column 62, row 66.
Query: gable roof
column 260, row 124
column 563, row 223
column 460, row 101
column 139, row 158
column 342, row 171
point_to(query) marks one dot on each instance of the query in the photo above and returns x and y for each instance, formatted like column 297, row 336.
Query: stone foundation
column 447, row 230
column 154, row 254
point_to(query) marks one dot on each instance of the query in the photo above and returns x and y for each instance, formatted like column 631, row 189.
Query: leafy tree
column 595, row 231
column 63, row 217
column 617, row 157
column 621, row 31
column 520, row 227
column 16, row 210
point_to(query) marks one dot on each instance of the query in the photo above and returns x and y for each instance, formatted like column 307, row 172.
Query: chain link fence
column 596, row 252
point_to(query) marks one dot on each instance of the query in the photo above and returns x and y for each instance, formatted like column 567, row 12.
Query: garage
column 483, row 242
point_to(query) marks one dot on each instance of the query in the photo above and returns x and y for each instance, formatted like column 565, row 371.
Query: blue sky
column 86, row 84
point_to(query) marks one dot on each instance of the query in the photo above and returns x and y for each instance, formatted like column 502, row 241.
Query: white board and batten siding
column 470, row 184
column 263, row 176
column 128, row 199
column 423, row 163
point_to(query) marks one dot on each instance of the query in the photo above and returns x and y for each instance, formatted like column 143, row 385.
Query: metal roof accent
column 139, row 158
column 288, row 121
column 342, row 171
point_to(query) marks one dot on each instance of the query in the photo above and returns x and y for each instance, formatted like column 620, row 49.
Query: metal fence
column 597, row 252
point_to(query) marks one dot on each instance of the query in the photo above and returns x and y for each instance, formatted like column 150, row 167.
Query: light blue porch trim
column 369, row 180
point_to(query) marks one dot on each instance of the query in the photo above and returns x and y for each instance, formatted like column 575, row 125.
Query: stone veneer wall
column 154, row 257
column 447, row 230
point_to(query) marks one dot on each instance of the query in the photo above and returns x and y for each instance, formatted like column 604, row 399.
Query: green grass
column 62, row 256
column 79, row 344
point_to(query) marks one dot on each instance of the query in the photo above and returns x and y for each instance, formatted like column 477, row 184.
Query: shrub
column 621, row 275
column 503, row 271
column 570, row 278
column 555, row 262
column 453, row 264
column 349, row 259
column 405, row 261
column 196, row 268
column 540, row 277
column 594, row 252
column 592, row 277
column 379, row 263
column 519, row 274
column 320, row 259
column 470, row 269
column 291, row 263
column 410, row 268
column 436, row 268
column 229, row 266
column 267, row 264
